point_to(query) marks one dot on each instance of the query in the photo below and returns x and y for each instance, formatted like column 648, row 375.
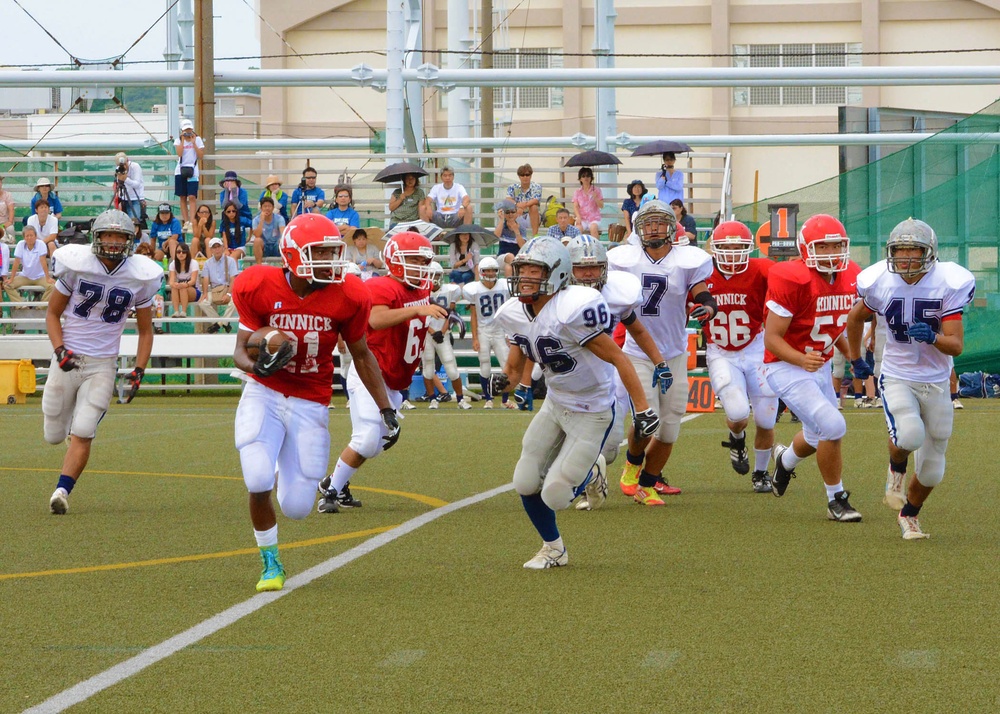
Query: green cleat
column 272, row 575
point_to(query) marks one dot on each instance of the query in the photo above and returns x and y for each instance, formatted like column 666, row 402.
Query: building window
column 825, row 54
column 508, row 98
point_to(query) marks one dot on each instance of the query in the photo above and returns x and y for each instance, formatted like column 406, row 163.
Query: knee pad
column 296, row 504
column 527, row 478
column 908, row 433
column 930, row 462
column 451, row 370
column 367, row 441
column 557, row 494
column 765, row 411
column 258, row 467
column 735, row 403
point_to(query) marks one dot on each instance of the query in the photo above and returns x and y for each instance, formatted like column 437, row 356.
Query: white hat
column 186, row 124
column 42, row 182
column 214, row 242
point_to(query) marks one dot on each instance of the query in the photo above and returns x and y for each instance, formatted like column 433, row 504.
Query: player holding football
column 735, row 348
column 486, row 297
column 96, row 286
column 282, row 418
column 562, row 328
column 921, row 299
column 671, row 272
column 438, row 340
column 808, row 300
column 396, row 330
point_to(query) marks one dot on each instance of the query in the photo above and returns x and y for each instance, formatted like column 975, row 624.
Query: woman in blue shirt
column 233, row 191
column 636, row 190
column 166, row 230
column 43, row 189
column 232, row 231
column 343, row 213
column 272, row 190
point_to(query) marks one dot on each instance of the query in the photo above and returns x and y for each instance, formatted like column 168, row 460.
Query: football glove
column 702, row 313
column 646, row 423
column 267, row 363
column 438, row 337
column 922, row 332
column 455, row 319
column 392, row 426
column 524, row 397
column 132, row 380
column 663, row 377
column 862, row 370
column 499, row 383
column 67, row 360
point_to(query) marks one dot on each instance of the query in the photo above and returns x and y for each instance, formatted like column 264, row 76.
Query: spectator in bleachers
column 29, row 267
column 272, row 189
column 190, row 150
column 204, row 230
column 4, row 258
column 636, row 190
column 527, row 197
column 363, row 254
column 134, row 187
column 266, row 231
column 587, row 203
column 142, row 238
column 233, row 192
column 449, row 201
column 563, row 229
column 217, row 275
column 43, row 192
column 308, row 197
column 183, row 280
column 408, row 203
column 669, row 181
column 46, row 225
column 343, row 213
column 685, row 221
column 232, row 231
column 166, row 231
column 7, row 214
column 463, row 256
column 509, row 231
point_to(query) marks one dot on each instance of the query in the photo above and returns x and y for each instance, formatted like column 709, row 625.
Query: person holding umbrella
column 588, row 202
column 669, row 181
column 407, row 203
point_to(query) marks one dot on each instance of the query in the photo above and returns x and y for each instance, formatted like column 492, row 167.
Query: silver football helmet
column 584, row 251
column 352, row 269
column 551, row 255
column 113, row 221
column 489, row 270
column 437, row 275
column 911, row 233
column 656, row 225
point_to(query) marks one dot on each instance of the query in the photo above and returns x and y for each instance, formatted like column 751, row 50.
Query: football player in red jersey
column 735, row 348
column 808, row 300
column 396, row 330
column 281, row 421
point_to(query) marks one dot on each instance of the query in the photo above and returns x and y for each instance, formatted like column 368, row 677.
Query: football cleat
column 665, row 489
column 781, row 476
column 630, row 478
column 895, row 490
column 795, row 419
column 909, row 526
column 738, row 456
column 464, row 403
column 761, row 482
column 406, row 405
column 509, row 405
column 59, row 503
column 955, row 404
column 840, row 509
column 272, row 575
column 488, row 404
column 423, row 398
column 345, row 499
column 445, row 397
column 647, row 496
column 433, row 404
column 595, row 493
column 547, row 557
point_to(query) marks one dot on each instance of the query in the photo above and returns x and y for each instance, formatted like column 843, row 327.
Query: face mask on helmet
column 489, row 271
column 826, row 231
column 113, row 223
column 408, row 256
column 590, row 262
column 311, row 249
column 901, row 249
column 437, row 275
column 656, row 225
column 731, row 247
column 542, row 267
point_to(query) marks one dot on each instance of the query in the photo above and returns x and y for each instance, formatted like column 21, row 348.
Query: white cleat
column 895, row 490
column 59, row 503
column 406, row 405
column 433, row 404
column 909, row 526
column 547, row 557
column 595, row 493
column 463, row 403
column 488, row 404
column 957, row 404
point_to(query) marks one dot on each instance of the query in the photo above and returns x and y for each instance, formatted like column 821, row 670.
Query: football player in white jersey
column 671, row 273
column 486, row 296
column 563, row 328
column 96, row 287
column 438, row 341
column 921, row 299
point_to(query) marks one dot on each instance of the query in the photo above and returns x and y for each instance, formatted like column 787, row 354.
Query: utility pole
column 486, row 102
column 204, row 91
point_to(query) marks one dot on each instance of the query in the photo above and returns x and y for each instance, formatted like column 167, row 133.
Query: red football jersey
column 819, row 308
column 741, row 305
column 263, row 298
column 397, row 348
column 619, row 334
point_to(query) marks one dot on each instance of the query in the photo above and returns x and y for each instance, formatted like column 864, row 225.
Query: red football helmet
column 408, row 257
column 305, row 234
column 825, row 230
column 731, row 247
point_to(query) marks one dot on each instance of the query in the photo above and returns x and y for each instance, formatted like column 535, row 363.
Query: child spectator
column 272, row 189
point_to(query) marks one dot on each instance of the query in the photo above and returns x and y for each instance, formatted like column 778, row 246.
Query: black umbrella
column 480, row 236
column 594, row 158
column 396, row 172
column 661, row 146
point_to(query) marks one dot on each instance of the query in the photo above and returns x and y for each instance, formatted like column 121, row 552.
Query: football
column 270, row 337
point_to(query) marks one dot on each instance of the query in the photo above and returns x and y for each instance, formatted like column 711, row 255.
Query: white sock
column 761, row 458
column 789, row 459
column 341, row 475
column 556, row 544
column 832, row 491
column 737, row 436
column 267, row 538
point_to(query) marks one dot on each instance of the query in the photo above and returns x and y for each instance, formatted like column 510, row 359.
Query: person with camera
column 233, row 191
column 190, row 150
column 308, row 197
column 130, row 189
column 669, row 181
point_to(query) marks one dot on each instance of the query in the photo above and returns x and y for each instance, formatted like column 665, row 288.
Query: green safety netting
column 951, row 183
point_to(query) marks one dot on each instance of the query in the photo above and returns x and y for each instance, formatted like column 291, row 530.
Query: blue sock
column 405, row 394
column 542, row 517
column 909, row 510
column 484, row 382
column 504, row 397
column 66, row 483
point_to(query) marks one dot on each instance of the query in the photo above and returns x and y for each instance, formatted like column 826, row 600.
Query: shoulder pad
column 689, row 256
column 870, row 275
column 145, row 268
column 622, row 287
column 75, row 259
column 624, row 256
column 956, row 276
column 573, row 300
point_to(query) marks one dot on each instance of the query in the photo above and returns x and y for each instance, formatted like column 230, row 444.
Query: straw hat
column 43, row 182
column 271, row 180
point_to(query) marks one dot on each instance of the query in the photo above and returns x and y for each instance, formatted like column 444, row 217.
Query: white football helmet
column 549, row 254
column 656, row 225
column 353, row 268
column 584, row 251
column 437, row 275
column 489, row 270
column 911, row 233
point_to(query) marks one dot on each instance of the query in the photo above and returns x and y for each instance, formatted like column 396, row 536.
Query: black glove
column 392, row 424
column 499, row 383
column 438, row 337
column 862, row 370
column 646, row 423
column 702, row 313
column 68, row 361
column 133, row 379
column 267, row 363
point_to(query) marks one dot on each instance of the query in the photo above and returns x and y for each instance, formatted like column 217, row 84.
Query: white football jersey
column 576, row 378
column 665, row 285
column 100, row 299
column 623, row 293
column 487, row 301
column 941, row 294
column 448, row 294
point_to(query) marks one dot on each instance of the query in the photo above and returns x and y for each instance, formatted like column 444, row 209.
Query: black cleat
column 346, row 500
column 781, row 477
column 738, row 456
column 761, row 482
column 840, row 509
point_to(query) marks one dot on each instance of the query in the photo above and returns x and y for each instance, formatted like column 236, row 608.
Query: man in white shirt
column 217, row 285
column 452, row 206
column 45, row 224
column 30, row 267
column 129, row 174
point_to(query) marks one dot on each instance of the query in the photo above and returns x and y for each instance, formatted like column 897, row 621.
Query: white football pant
column 738, row 380
column 670, row 407
column 919, row 417
column 75, row 402
column 444, row 352
column 491, row 340
column 811, row 398
column 366, row 421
